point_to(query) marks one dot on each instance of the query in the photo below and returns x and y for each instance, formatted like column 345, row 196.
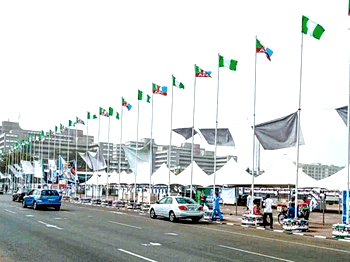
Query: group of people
column 267, row 205
column 304, row 211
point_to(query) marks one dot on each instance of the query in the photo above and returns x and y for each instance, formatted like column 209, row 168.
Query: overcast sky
column 60, row 59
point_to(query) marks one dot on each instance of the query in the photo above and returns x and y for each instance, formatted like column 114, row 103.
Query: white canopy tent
column 98, row 178
column 283, row 172
column 199, row 177
column 231, row 174
column 161, row 176
column 336, row 181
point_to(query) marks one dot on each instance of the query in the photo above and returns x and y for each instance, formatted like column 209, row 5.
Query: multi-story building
column 319, row 171
column 73, row 140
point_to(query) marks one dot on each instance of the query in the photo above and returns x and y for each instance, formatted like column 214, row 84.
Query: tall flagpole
column 298, row 130
column 151, row 151
column 120, row 147
column 216, row 122
column 137, row 145
column 109, row 124
column 253, row 167
column 87, row 148
column 194, row 107
column 48, row 158
column 99, row 122
column 171, row 130
column 348, row 182
column 76, row 158
column 54, row 153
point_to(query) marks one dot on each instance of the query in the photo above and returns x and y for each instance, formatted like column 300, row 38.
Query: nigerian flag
column 311, row 28
column 229, row 63
column 142, row 96
column 177, row 83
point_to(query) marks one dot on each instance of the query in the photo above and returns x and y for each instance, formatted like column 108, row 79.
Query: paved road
column 88, row 233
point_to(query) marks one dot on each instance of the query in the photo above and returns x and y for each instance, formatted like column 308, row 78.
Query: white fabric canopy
column 232, row 174
column 283, row 172
column 99, row 178
column 199, row 177
column 126, row 178
column 337, row 181
column 161, row 176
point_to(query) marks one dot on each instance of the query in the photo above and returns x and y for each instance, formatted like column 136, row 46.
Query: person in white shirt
column 268, row 211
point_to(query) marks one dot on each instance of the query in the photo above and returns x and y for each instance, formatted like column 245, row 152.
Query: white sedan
column 176, row 207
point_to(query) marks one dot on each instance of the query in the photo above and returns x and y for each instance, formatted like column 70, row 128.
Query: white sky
column 60, row 59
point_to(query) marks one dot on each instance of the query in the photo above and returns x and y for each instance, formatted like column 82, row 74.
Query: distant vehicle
column 118, row 203
column 96, row 201
column 86, row 200
column 177, row 207
column 145, row 207
column 107, row 202
column 133, row 205
column 20, row 194
column 38, row 198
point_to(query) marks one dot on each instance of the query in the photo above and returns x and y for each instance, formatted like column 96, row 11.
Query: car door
column 159, row 208
column 168, row 205
column 30, row 198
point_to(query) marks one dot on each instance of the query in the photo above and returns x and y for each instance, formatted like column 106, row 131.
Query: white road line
column 344, row 240
column 173, row 234
column 29, row 215
column 268, row 238
column 48, row 225
column 321, row 237
column 136, row 255
column 277, row 230
column 300, row 234
column 68, row 213
column 257, row 254
column 10, row 211
column 124, row 225
column 115, row 212
column 230, row 224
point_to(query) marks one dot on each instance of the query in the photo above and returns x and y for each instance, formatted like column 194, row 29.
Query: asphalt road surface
column 87, row 233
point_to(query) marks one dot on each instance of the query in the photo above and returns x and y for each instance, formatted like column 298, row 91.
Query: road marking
column 115, row 212
column 151, row 244
column 344, row 240
column 257, row 254
column 173, row 234
column 48, row 225
column 267, row 238
column 230, row 224
column 29, row 215
column 124, row 225
column 68, row 213
column 296, row 233
column 10, row 211
column 277, row 230
column 321, row 237
column 136, row 255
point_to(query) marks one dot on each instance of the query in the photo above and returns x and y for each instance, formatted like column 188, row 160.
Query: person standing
column 216, row 207
column 268, row 211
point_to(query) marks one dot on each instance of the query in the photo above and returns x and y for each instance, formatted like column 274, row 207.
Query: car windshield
column 49, row 193
column 183, row 200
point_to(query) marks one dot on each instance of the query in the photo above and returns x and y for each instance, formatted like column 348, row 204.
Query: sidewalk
column 316, row 226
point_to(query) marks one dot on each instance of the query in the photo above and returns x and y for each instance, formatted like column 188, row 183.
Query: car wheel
column 13, row 199
column 57, row 208
column 172, row 216
column 35, row 206
column 24, row 205
column 195, row 219
column 152, row 214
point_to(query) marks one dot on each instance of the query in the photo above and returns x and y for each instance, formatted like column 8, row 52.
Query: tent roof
column 336, row 181
column 199, row 176
column 161, row 176
column 100, row 177
column 283, row 172
column 232, row 174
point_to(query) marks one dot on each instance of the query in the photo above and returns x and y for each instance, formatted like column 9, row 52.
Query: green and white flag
column 117, row 115
column 229, row 63
column 311, row 28
column 144, row 97
column 177, row 83
column 111, row 111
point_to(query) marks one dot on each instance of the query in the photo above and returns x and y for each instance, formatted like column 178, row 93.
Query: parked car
column 85, row 200
column 177, row 207
column 19, row 194
column 38, row 198
column 118, row 203
column 145, row 207
column 107, row 202
column 133, row 205
column 96, row 201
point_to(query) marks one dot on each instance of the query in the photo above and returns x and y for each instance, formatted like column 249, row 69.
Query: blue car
column 42, row 198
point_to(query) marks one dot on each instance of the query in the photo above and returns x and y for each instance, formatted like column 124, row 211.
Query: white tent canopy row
column 281, row 173
column 337, row 181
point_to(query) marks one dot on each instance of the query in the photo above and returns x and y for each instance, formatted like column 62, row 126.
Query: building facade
column 318, row 171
